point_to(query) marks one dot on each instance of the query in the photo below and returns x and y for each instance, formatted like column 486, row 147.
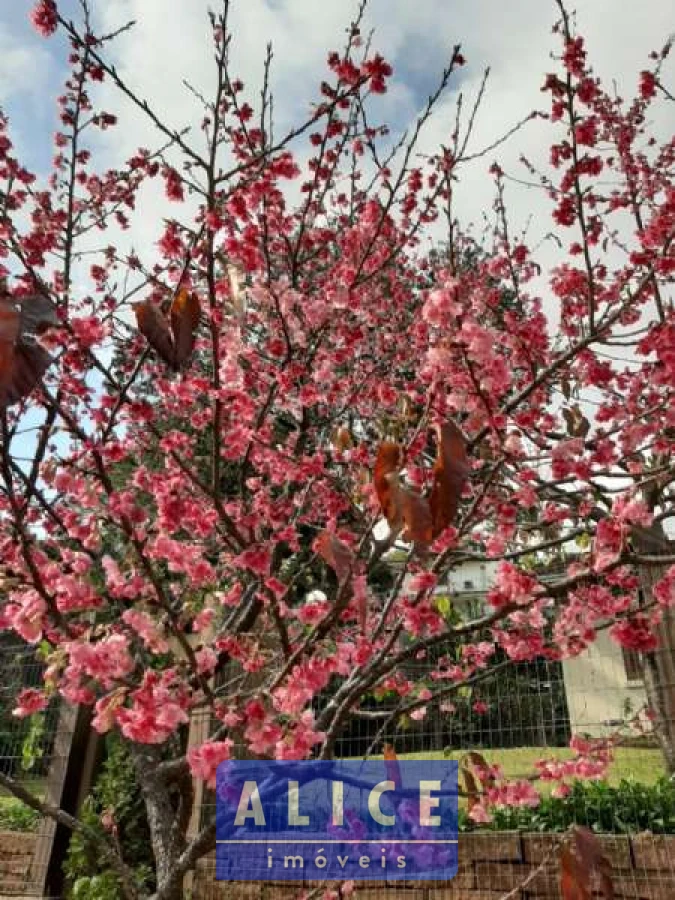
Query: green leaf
column 583, row 541
column 444, row 605
column 32, row 748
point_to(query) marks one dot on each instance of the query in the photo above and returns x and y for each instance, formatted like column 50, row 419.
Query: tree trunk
column 166, row 831
column 659, row 666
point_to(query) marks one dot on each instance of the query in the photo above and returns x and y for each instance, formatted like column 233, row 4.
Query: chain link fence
column 522, row 713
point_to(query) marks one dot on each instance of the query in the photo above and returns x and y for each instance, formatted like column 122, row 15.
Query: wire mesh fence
column 26, row 747
column 521, row 713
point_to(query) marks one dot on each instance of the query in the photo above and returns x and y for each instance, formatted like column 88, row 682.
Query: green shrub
column 118, row 791
column 16, row 816
column 628, row 807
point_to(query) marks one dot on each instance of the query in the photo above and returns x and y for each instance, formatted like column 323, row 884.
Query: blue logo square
column 336, row 820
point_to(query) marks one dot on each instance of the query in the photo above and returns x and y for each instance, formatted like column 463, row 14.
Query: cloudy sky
column 170, row 43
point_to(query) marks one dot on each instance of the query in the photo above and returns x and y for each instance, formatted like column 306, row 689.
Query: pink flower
column 108, row 820
column 647, row 85
column 423, row 581
column 479, row 814
column 257, row 559
column 480, row 707
column 635, row 634
column 26, row 616
column 664, row 589
column 147, row 629
column 574, row 57
column 44, row 17
column 441, row 305
column 630, row 511
column 378, row 70
column 512, row 586
column 521, row 793
column 88, row 330
column 29, row 702
column 203, row 619
column 586, row 132
column 206, row 659
column 173, row 184
column 157, row 709
column 204, row 760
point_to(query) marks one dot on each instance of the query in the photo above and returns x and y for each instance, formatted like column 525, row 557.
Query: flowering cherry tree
column 209, row 454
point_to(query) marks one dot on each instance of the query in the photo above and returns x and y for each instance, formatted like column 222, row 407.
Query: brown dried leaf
column 577, row 423
column 477, row 760
column 579, row 861
column 184, row 317
column 153, row 325
column 38, row 314
column 569, row 419
column 470, row 787
column 341, row 439
column 29, row 367
column 416, row 515
column 391, row 765
column 9, row 332
column 450, row 471
column 566, row 388
column 23, row 362
column 388, row 462
column 593, row 858
column 338, row 555
column 574, row 882
column 474, row 781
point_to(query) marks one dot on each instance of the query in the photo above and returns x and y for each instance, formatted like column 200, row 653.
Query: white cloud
column 23, row 69
column 170, row 42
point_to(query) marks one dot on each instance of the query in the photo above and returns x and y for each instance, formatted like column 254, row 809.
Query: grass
column 36, row 786
column 644, row 765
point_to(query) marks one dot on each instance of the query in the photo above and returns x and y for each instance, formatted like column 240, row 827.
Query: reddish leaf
column 568, row 416
column 9, row 333
column 579, row 861
column 479, row 762
column 388, row 462
column 172, row 337
column 23, row 361
column 474, row 780
column 30, row 365
column 574, row 883
column 38, row 314
column 450, row 471
column 338, row 555
column 471, row 788
column 342, row 439
column 593, row 858
column 391, row 765
column 184, row 316
column 153, row 325
column 566, row 388
column 415, row 513
column 577, row 423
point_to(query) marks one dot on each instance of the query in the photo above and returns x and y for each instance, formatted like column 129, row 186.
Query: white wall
column 597, row 688
column 481, row 576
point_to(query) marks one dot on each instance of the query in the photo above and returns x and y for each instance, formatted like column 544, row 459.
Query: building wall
column 598, row 689
column 472, row 577
column 599, row 693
